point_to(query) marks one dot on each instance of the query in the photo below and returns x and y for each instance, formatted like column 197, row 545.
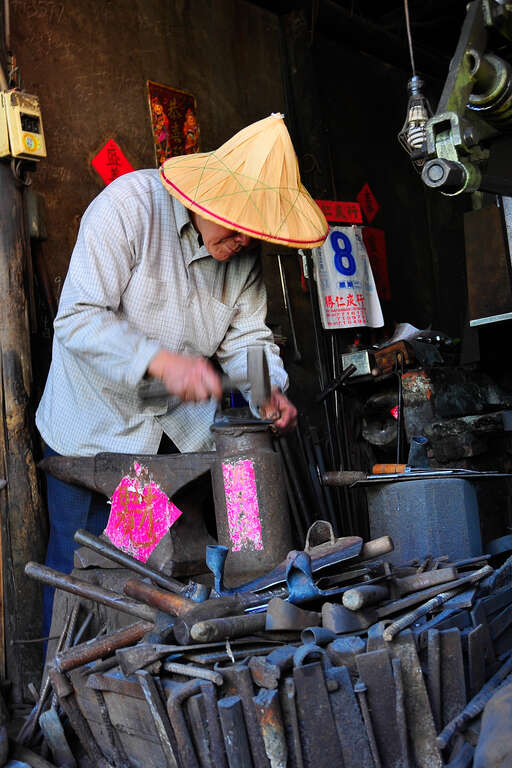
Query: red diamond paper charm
column 368, row 203
column 110, row 162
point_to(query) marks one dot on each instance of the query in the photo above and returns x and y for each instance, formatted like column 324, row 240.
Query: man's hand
column 281, row 411
column 192, row 379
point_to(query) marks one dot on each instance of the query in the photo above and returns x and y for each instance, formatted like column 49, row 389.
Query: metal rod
column 297, row 357
column 117, row 556
column 89, row 591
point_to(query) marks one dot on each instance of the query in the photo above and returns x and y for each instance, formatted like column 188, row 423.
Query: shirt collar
column 186, row 229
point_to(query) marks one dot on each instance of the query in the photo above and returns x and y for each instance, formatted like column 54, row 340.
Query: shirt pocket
column 216, row 324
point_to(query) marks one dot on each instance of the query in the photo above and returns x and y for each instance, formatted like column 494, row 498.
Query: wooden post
column 22, row 530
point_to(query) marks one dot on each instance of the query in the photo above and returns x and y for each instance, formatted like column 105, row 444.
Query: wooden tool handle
column 342, row 478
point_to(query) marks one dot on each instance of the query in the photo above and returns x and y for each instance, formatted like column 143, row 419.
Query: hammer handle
column 164, row 601
column 90, row 591
column 103, row 646
column 117, row 556
column 342, row 478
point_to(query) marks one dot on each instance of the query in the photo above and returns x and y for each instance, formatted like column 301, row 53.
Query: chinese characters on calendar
column 346, row 287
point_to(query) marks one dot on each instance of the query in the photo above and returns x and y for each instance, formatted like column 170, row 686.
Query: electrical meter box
column 4, row 131
column 25, row 125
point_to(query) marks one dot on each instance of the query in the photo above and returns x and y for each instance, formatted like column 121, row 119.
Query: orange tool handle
column 388, row 469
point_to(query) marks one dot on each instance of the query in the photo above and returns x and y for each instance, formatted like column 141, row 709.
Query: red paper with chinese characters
column 368, row 203
column 335, row 210
column 110, row 162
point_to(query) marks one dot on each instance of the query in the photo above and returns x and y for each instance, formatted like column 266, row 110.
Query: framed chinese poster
column 174, row 121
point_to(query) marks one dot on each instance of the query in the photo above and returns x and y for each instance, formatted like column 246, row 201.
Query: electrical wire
column 409, row 38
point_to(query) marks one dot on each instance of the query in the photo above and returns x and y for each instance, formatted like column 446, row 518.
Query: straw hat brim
column 244, row 210
column 250, row 184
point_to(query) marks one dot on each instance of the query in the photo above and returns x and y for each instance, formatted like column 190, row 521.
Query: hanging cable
column 409, row 38
column 413, row 134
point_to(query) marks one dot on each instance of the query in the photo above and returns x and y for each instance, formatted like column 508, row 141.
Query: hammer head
column 258, row 375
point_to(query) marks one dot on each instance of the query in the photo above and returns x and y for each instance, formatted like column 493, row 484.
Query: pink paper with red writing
column 140, row 515
column 242, row 505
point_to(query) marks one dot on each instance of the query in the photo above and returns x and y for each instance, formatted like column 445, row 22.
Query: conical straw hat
column 251, row 184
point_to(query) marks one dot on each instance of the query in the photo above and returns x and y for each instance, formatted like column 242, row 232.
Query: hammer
column 258, row 378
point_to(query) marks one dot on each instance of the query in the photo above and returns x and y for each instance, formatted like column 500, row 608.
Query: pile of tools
column 334, row 658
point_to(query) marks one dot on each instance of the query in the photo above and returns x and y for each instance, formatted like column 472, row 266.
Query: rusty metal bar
column 192, row 591
column 89, row 591
column 78, row 655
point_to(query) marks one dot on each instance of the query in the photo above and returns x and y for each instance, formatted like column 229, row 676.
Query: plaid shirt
column 138, row 281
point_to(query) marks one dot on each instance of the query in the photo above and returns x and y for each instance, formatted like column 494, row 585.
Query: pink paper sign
column 141, row 513
column 242, row 505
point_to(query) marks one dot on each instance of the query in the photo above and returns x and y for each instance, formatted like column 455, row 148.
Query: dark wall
column 348, row 109
column 89, row 62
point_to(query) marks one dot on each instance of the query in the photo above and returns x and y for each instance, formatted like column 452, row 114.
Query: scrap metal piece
column 365, row 595
column 55, row 737
column 291, row 723
column 422, row 733
column 476, row 705
column 90, row 591
column 268, row 713
column 238, row 681
column 185, row 748
column 205, row 729
column 160, row 718
column 453, row 685
column 139, row 656
column 196, row 717
column 360, row 691
column 401, row 718
column 426, row 594
column 212, row 630
column 424, row 580
column 411, row 618
column 189, row 670
column 321, row 746
column 235, row 735
column 283, row 615
column 479, row 616
column 210, row 609
column 91, row 650
column 116, row 749
column 433, row 677
column 192, row 591
column 344, row 650
column 376, row 673
column 352, row 735
column 115, row 684
column 323, row 556
column 167, row 602
column 68, row 702
column 463, row 758
column 311, row 651
column 447, row 619
column 340, row 620
column 216, row 657
column 266, row 671
column 317, row 636
column 476, row 659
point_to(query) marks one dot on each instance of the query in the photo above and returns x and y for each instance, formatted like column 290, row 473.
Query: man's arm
column 88, row 322
column 248, row 328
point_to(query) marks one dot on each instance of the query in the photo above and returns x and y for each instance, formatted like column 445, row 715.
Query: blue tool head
column 299, row 578
column 215, row 560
